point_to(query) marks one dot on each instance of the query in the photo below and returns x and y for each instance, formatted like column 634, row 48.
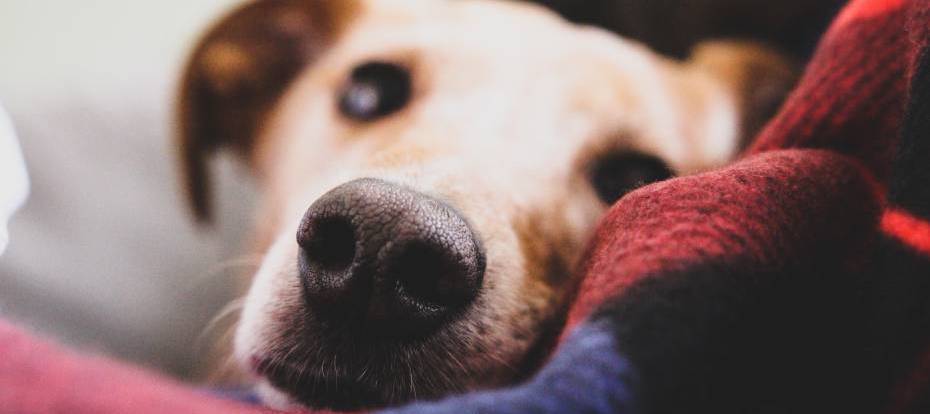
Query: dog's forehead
column 491, row 12
column 497, row 33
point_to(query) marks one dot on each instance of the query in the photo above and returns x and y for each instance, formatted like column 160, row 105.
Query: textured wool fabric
column 902, row 317
column 791, row 290
column 851, row 98
column 795, row 280
column 736, row 290
column 767, row 212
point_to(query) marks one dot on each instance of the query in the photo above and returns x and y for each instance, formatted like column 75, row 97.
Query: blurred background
column 104, row 256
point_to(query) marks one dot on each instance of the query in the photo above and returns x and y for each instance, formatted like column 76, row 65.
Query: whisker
column 413, row 383
column 252, row 261
column 231, row 309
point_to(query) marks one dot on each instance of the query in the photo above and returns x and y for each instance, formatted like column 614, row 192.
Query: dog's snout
column 389, row 257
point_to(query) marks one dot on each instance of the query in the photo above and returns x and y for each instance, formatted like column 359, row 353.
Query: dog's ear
column 238, row 71
column 699, row 20
column 758, row 77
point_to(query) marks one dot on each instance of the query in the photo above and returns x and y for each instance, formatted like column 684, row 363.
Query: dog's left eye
column 616, row 174
column 375, row 90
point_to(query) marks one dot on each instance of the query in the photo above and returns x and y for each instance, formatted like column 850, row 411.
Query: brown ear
column 698, row 20
column 759, row 77
column 238, row 71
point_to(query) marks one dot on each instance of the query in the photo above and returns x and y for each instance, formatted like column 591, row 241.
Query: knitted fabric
column 795, row 280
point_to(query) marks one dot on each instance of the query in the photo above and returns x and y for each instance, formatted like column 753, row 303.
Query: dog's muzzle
column 387, row 260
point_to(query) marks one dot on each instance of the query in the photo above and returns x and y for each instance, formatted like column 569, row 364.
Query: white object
column 14, row 183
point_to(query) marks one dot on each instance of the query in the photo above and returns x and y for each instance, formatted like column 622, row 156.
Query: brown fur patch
column 760, row 77
column 240, row 69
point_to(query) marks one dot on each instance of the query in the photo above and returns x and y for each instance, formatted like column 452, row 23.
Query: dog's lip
column 265, row 366
column 285, row 377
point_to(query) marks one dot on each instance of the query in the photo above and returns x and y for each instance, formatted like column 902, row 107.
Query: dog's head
column 432, row 172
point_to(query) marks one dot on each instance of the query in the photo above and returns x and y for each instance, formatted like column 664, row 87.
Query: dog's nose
column 395, row 259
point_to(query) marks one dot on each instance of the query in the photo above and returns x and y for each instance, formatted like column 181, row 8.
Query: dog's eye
column 375, row 90
column 616, row 174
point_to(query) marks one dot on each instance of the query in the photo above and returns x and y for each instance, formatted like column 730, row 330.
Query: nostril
column 427, row 277
column 431, row 281
column 327, row 263
column 330, row 244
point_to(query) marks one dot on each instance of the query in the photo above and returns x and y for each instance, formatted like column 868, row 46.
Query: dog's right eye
column 614, row 175
column 375, row 90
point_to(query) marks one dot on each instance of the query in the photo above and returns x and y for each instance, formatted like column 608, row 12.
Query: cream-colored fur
column 510, row 107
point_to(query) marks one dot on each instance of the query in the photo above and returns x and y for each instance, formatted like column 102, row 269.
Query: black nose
column 392, row 258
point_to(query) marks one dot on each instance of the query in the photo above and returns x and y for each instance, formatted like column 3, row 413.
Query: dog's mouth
column 346, row 370
column 341, row 393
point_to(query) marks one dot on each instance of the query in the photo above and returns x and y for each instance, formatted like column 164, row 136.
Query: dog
column 431, row 171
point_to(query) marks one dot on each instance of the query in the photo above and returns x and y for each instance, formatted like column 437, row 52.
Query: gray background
column 104, row 256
